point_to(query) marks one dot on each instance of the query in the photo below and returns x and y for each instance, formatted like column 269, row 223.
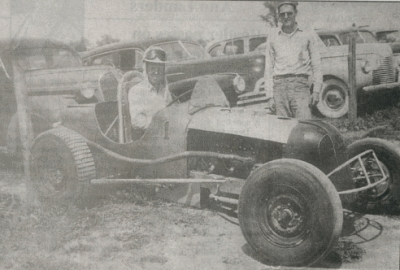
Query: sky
column 211, row 20
column 207, row 20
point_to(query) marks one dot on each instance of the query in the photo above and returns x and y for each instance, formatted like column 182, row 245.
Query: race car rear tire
column 334, row 99
column 290, row 213
column 61, row 165
column 387, row 195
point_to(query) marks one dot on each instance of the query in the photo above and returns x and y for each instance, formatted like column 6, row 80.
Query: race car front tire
column 290, row 213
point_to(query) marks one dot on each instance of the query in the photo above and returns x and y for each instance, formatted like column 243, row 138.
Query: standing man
column 292, row 64
column 151, row 95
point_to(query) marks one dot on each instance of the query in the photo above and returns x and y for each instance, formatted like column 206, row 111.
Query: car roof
column 143, row 44
column 385, row 31
column 340, row 31
column 212, row 43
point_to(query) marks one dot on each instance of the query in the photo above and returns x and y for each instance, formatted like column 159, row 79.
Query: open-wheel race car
column 288, row 178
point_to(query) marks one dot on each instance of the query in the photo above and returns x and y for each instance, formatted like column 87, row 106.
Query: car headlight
column 88, row 90
column 239, row 84
column 366, row 68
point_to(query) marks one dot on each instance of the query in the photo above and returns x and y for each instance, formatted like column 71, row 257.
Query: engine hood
column 65, row 78
column 242, row 122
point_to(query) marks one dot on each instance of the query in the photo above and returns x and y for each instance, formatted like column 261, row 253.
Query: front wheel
column 61, row 165
column 290, row 213
column 387, row 194
column 334, row 99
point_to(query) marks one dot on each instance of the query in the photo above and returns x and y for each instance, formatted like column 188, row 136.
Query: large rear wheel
column 61, row 165
column 384, row 196
column 290, row 213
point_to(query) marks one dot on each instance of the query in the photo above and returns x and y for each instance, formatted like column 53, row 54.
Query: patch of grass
column 385, row 117
column 348, row 251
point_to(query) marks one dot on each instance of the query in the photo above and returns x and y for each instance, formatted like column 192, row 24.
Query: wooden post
column 24, row 121
column 352, row 79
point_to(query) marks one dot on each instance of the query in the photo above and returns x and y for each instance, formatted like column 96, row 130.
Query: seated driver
column 150, row 95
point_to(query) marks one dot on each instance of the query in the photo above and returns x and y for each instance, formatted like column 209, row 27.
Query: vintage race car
column 54, row 78
column 288, row 178
column 186, row 59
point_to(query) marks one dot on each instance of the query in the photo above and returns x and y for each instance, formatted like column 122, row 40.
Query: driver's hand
column 272, row 105
column 314, row 98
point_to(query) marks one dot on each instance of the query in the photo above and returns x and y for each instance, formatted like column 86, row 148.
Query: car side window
column 174, row 51
column 127, row 60
column 216, row 51
column 255, row 42
column 108, row 59
column 234, row 47
column 330, row 41
column 139, row 60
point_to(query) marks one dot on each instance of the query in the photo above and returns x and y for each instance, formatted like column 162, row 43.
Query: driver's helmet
column 155, row 55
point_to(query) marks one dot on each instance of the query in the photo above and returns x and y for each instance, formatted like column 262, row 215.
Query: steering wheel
column 178, row 97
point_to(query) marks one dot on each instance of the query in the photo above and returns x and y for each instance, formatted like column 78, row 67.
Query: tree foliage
column 271, row 16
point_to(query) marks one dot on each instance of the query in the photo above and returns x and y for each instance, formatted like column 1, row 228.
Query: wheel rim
column 373, row 170
column 334, row 97
column 283, row 216
column 50, row 171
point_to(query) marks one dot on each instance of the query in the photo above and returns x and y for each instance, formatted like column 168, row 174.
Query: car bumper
column 372, row 88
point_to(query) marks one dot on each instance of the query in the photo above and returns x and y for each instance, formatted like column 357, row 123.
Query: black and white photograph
column 180, row 134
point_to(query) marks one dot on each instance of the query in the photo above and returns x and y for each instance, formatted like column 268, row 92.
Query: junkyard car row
column 289, row 179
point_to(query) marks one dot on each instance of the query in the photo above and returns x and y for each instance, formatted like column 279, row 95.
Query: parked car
column 376, row 66
column 392, row 37
column 55, row 78
column 235, row 46
column 185, row 60
column 274, row 169
column 387, row 35
column 376, row 69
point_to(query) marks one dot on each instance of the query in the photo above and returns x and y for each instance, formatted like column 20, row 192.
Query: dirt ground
column 124, row 229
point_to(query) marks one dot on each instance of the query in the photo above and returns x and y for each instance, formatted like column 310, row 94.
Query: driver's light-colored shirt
column 295, row 53
column 144, row 102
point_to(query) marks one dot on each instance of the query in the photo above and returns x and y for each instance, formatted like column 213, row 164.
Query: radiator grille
column 385, row 72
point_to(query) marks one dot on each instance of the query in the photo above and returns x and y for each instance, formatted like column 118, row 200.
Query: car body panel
column 237, row 121
column 177, row 128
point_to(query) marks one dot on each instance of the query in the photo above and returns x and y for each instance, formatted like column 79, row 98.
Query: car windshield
column 178, row 51
column 48, row 58
column 388, row 36
column 361, row 37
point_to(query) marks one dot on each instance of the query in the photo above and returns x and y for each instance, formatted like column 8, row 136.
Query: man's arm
column 269, row 66
column 316, row 66
column 316, row 61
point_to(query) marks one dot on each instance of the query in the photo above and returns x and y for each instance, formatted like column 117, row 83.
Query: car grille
column 109, row 86
column 385, row 72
